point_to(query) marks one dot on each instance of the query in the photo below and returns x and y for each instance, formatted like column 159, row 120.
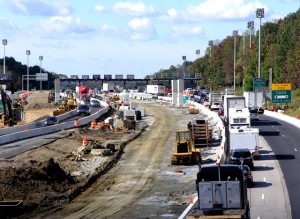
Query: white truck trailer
column 156, row 89
column 254, row 101
column 245, row 139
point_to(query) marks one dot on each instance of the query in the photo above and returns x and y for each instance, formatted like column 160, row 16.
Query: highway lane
column 283, row 139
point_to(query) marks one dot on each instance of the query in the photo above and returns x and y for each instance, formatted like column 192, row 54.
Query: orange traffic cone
column 84, row 142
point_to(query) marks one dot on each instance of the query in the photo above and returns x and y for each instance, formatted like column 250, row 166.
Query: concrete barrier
column 25, row 132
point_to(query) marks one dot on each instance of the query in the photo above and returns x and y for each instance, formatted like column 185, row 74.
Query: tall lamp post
column 235, row 33
column 28, row 54
column 183, row 58
column 250, row 26
column 198, row 53
column 210, row 43
column 4, row 42
column 259, row 14
column 41, row 59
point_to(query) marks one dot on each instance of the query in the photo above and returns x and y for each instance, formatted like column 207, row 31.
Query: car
column 215, row 106
column 242, row 156
column 83, row 109
column 95, row 103
column 248, row 175
column 51, row 120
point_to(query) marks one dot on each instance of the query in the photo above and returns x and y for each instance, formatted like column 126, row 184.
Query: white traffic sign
column 42, row 76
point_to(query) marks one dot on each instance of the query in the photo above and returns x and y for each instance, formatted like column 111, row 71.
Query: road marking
column 264, row 165
column 263, row 196
column 295, row 149
column 258, row 217
column 264, row 179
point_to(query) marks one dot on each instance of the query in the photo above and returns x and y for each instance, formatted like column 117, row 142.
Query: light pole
column 41, row 59
column 250, row 26
column 4, row 42
column 259, row 14
column 235, row 33
column 198, row 53
column 183, row 58
column 28, row 54
column 210, row 43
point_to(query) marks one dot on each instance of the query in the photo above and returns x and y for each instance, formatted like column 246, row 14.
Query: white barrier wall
column 23, row 134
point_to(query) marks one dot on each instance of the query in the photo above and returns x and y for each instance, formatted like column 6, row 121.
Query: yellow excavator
column 184, row 151
column 71, row 102
column 11, row 111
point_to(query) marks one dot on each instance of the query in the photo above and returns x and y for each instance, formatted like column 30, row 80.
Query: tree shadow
column 277, row 157
column 259, row 184
column 265, row 123
column 269, row 133
column 262, row 168
column 262, row 152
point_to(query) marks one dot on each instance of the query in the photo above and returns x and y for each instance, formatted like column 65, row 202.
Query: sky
column 86, row 37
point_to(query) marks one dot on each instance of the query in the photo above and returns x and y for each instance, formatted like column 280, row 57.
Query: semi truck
column 156, row 89
column 254, row 102
column 232, row 102
column 215, row 97
column 222, row 193
column 245, row 138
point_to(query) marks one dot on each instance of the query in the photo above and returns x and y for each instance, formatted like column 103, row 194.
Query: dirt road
column 132, row 176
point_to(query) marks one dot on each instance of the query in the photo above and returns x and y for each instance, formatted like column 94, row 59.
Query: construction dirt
column 64, row 180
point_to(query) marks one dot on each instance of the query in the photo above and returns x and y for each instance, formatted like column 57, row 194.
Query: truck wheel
column 174, row 160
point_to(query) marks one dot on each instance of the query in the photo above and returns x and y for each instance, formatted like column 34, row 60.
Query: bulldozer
column 184, row 150
column 62, row 108
column 71, row 102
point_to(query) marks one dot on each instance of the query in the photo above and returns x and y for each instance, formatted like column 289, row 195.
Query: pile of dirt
column 34, row 183
column 39, row 106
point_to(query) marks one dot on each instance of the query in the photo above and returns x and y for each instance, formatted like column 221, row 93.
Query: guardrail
column 25, row 132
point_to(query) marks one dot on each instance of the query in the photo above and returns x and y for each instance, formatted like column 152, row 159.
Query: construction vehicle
column 71, row 102
column 11, row 108
column 62, row 107
column 184, row 150
column 222, row 193
column 51, row 96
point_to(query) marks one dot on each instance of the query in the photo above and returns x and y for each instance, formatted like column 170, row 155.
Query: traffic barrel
column 93, row 124
column 76, row 123
column 84, row 142
column 297, row 117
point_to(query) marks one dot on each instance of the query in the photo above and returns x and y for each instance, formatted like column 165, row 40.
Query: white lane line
column 295, row 149
column 264, row 179
column 264, row 165
column 263, row 196
column 258, row 217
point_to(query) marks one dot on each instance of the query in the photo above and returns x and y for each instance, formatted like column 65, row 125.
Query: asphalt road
column 283, row 139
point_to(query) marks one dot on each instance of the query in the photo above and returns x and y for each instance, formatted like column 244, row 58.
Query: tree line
column 280, row 51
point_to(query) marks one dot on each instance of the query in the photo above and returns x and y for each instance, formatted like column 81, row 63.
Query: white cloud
column 215, row 10
column 64, row 25
column 7, row 27
column 141, row 29
column 178, row 32
column 133, row 9
column 38, row 7
column 100, row 8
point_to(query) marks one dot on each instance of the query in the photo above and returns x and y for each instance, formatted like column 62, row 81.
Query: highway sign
column 287, row 86
column 281, row 96
column 258, row 82
column 42, row 76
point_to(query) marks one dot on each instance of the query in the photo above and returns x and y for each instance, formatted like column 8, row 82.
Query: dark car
column 248, row 175
column 83, row 109
column 51, row 120
column 244, row 156
column 95, row 103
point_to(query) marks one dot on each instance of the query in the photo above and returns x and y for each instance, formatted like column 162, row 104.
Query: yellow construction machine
column 71, row 102
column 184, row 150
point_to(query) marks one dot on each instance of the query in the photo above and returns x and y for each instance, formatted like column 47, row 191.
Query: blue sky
column 86, row 37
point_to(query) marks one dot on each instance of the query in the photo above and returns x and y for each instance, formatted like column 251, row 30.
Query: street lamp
column 235, row 33
column 4, row 42
column 198, row 52
column 28, row 54
column 250, row 26
column 41, row 59
column 183, row 58
column 210, row 43
column 259, row 14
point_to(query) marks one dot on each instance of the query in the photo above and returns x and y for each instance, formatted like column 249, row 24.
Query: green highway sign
column 281, row 96
column 258, row 82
